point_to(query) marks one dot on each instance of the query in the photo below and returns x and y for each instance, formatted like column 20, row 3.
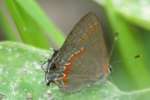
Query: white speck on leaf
column 1, row 70
column 14, row 87
column 17, row 55
column 9, row 58
column 36, row 65
column 9, row 49
column 29, row 96
column 50, row 96
column 1, row 47
column 25, row 69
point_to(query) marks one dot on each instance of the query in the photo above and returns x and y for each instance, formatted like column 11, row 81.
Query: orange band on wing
column 106, row 69
column 70, row 63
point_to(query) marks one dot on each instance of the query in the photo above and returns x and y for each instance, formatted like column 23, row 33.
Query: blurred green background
column 44, row 24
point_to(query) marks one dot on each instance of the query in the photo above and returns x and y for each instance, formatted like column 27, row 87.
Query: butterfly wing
column 86, row 44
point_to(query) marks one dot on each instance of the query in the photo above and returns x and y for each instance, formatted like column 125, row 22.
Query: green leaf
column 39, row 16
column 22, row 78
column 131, row 70
column 33, row 25
column 29, row 30
column 20, row 71
column 135, row 11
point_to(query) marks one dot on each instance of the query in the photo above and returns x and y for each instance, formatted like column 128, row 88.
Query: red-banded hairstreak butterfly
column 83, row 58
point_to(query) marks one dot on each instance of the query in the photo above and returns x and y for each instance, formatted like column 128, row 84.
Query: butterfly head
column 52, row 72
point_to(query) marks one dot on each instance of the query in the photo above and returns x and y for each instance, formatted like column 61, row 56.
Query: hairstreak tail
column 83, row 58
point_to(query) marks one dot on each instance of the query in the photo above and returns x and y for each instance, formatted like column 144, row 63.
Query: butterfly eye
column 53, row 66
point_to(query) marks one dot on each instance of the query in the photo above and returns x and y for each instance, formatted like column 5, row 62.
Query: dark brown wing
column 89, row 66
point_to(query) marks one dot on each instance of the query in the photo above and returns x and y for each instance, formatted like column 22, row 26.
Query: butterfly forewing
column 86, row 44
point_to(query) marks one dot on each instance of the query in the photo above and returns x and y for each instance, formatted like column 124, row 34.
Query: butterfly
column 83, row 58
